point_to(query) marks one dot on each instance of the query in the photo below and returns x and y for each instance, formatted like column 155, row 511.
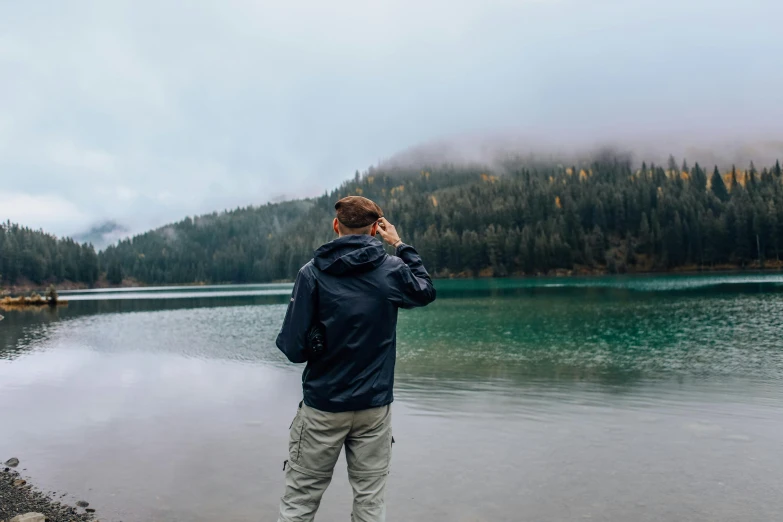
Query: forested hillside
column 33, row 255
column 520, row 219
column 234, row 246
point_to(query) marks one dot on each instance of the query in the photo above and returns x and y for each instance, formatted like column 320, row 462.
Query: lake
column 612, row 399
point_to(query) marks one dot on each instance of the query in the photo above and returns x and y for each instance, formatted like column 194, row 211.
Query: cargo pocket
column 391, row 449
column 295, row 437
column 317, row 439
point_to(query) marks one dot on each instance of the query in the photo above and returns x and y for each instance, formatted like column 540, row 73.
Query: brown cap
column 357, row 212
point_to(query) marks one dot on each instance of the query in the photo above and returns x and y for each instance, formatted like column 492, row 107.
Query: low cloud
column 46, row 211
column 493, row 150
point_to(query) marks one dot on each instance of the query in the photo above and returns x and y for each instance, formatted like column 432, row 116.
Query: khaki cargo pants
column 317, row 437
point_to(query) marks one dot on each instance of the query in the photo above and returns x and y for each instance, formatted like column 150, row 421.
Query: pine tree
column 673, row 245
column 430, row 249
column 644, row 236
column 742, row 248
column 698, row 179
column 774, row 230
column 114, row 275
column 597, row 245
column 734, row 183
column 527, row 249
column 718, row 187
column 471, row 252
column 672, row 166
column 752, row 175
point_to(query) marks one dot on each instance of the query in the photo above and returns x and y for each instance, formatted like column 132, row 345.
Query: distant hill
column 103, row 234
column 604, row 213
column 231, row 246
column 33, row 256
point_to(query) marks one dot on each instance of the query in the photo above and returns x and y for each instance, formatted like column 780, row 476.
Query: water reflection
column 22, row 331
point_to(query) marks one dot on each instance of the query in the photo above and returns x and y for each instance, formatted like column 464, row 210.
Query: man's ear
column 374, row 229
column 336, row 226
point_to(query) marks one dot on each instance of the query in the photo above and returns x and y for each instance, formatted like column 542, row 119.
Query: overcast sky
column 149, row 110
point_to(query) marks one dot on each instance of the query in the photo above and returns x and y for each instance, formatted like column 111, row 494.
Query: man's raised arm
column 415, row 284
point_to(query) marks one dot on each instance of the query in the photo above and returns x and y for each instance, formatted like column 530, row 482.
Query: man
column 350, row 292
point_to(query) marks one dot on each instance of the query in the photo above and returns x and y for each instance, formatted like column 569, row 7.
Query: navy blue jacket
column 353, row 289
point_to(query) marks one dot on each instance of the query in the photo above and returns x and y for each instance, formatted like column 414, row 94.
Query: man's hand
column 388, row 232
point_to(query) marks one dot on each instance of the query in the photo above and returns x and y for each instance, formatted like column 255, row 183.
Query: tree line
column 38, row 257
column 466, row 220
column 605, row 215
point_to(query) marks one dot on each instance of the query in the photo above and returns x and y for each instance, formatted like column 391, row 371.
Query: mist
column 494, row 150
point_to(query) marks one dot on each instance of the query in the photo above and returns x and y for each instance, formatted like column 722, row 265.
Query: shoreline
column 754, row 268
column 19, row 497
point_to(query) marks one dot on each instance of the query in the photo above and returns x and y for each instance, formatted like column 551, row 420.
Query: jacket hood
column 350, row 254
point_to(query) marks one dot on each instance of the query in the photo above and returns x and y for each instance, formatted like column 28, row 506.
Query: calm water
column 632, row 399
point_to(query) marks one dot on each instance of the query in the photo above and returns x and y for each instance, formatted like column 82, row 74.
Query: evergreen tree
column 734, row 183
column 114, row 274
column 698, row 179
column 472, row 252
column 718, row 187
column 597, row 246
column 644, row 239
column 38, row 257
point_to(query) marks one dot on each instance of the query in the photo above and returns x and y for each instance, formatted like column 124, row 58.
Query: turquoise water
column 639, row 398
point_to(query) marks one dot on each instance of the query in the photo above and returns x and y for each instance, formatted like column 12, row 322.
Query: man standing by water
column 342, row 322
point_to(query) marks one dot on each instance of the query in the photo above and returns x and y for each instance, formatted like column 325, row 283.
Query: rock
column 90, row 510
column 83, row 503
column 29, row 517
column 16, row 498
column 12, row 462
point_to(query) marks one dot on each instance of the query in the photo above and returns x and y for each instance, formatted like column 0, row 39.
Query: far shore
column 26, row 288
